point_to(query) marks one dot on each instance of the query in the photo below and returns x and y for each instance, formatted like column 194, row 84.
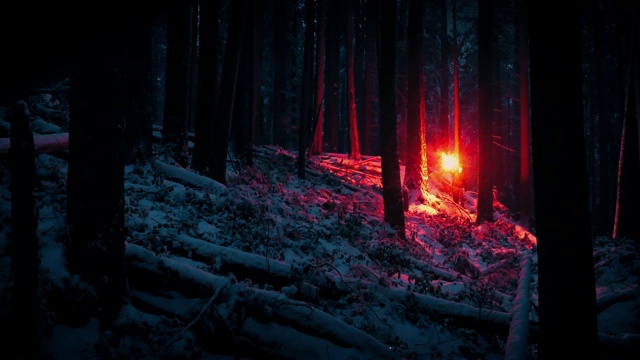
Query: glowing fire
column 450, row 163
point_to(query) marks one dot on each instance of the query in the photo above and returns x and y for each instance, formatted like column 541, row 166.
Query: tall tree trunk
column 25, row 314
column 316, row 146
column 95, row 202
column 351, row 85
column 207, row 83
column 525, row 155
column 456, row 88
column 370, row 94
column 443, row 126
column 256, row 76
column 177, row 83
column 416, row 175
column 306, row 110
column 627, row 195
column 138, row 129
column 331, row 102
column 217, row 169
column 281, row 71
column 391, row 185
column 560, row 191
column 485, row 113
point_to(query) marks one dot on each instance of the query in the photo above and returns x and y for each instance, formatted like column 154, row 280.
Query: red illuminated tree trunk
column 485, row 191
column 354, row 142
column 416, row 175
column 207, row 83
column 370, row 81
column 316, row 145
column 525, row 156
column 391, row 186
column 625, row 223
column 177, row 87
column 565, row 251
column 306, row 110
column 456, row 88
column 443, row 126
column 217, row 169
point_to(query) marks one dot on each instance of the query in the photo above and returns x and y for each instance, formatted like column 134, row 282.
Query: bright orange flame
column 450, row 163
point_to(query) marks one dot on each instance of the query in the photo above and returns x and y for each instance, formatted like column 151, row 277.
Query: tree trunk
column 281, row 71
column 25, row 259
column 416, row 174
column 353, row 120
column 207, row 83
column 177, row 87
column 564, row 242
column 485, row 114
column 627, row 196
column 217, row 169
column 332, row 76
column 525, row 155
column 316, row 146
column 391, row 186
column 444, row 134
column 456, row 89
column 371, row 138
column 137, row 135
column 95, row 203
column 306, row 110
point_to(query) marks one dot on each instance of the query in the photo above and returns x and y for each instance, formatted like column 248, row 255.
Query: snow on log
column 264, row 304
column 465, row 315
column 44, row 143
column 516, row 346
column 189, row 177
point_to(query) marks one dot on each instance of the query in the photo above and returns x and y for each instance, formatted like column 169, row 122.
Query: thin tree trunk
column 353, row 120
column 443, row 126
column 177, row 88
column 306, row 110
column 332, row 76
column 370, row 83
column 207, row 83
column 456, row 88
column 525, row 156
column 217, row 169
column 316, row 146
column 416, row 175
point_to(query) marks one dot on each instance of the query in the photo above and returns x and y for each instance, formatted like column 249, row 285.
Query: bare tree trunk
column 353, row 120
column 564, row 242
column 416, row 174
column 370, row 83
column 25, row 259
column 306, row 110
column 456, row 88
column 207, row 83
column 485, row 114
column 391, row 186
column 525, row 156
column 316, row 146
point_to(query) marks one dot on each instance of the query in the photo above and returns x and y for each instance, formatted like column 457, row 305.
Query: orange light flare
column 450, row 163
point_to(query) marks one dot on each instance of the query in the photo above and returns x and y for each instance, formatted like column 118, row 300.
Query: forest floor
column 280, row 267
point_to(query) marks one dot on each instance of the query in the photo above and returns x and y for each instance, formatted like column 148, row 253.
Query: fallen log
column 43, row 144
column 189, row 178
column 262, row 304
column 517, row 343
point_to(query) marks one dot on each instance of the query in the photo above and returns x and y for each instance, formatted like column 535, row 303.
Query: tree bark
column 564, row 242
column 391, row 185
column 316, row 146
column 354, row 141
column 25, row 259
column 306, row 110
